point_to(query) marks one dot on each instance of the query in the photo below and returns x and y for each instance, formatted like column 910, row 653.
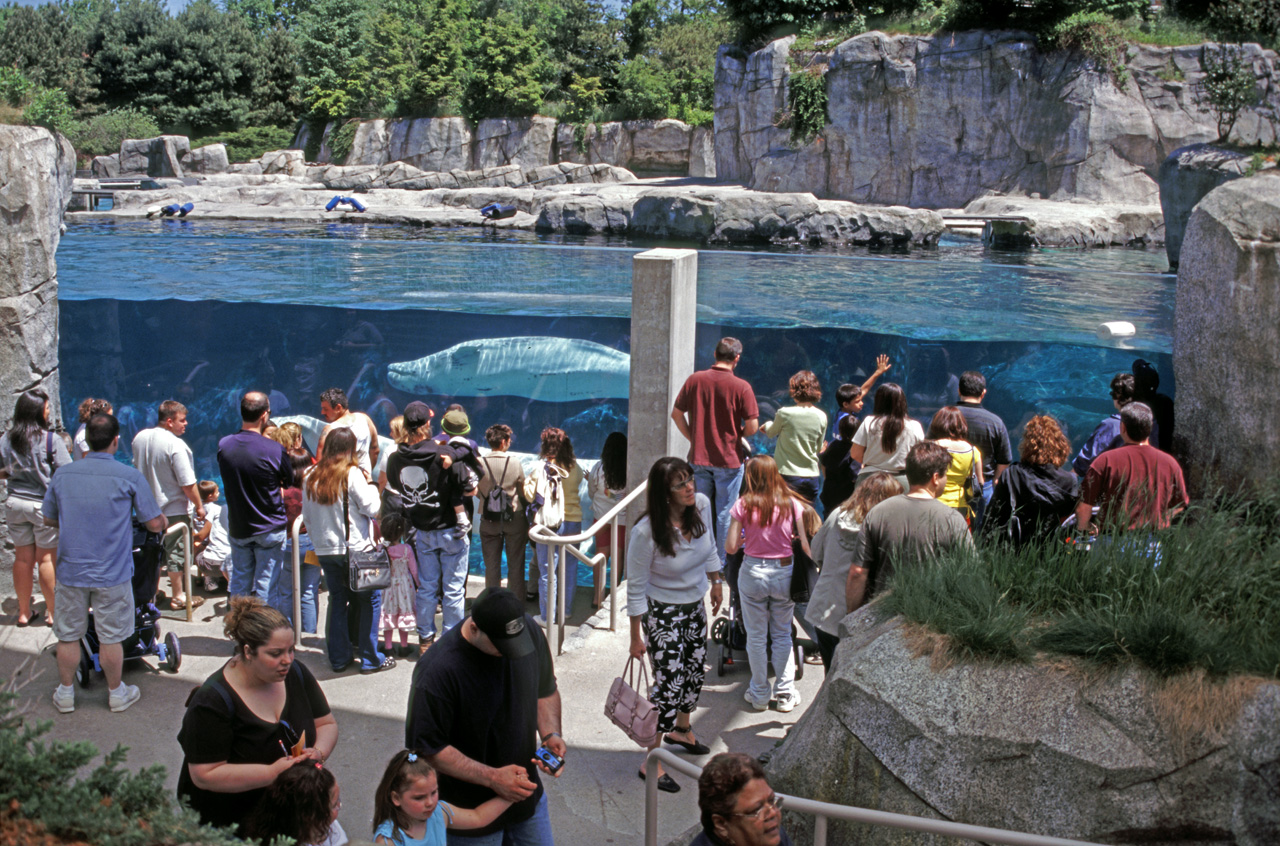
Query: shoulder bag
column 369, row 570
column 630, row 711
column 804, row 573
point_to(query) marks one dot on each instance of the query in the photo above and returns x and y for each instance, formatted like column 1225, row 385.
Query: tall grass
column 1213, row 603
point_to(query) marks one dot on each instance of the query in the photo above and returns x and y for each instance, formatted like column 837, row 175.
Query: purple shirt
column 254, row 469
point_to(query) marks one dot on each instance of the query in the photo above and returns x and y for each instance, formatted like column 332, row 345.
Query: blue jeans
column 808, row 487
column 980, row 504
column 282, row 586
column 764, row 586
column 721, row 486
column 1144, row 544
column 535, row 831
column 254, row 560
column 442, row 560
column 338, row 636
column 570, row 572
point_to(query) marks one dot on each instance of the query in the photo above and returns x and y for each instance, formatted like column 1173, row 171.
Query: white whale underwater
column 540, row 368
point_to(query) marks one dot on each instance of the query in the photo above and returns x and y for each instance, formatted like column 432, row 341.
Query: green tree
column 44, row 43
column 101, row 134
column 276, row 99
column 769, row 18
column 644, row 90
column 49, row 108
column 508, row 70
column 1229, row 86
column 333, row 69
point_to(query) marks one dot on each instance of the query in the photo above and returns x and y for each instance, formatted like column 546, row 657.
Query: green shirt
column 799, row 430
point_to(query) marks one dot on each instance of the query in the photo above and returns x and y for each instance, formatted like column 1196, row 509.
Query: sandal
column 666, row 783
column 179, row 603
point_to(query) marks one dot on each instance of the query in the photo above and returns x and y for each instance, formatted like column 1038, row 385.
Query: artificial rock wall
column 938, row 121
column 36, row 171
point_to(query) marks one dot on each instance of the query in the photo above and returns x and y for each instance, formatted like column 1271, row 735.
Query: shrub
column 101, row 134
column 1228, row 86
column 807, row 104
column 249, row 143
column 585, row 98
column 340, row 141
column 644, row 91
column 763, row 19
column 1247, row 20
column 49, row 108
column 15, row 88
column 1098, row 36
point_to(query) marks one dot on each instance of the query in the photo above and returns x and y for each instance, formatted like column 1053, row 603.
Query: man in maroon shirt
column 714, row 410
column 1136, row 486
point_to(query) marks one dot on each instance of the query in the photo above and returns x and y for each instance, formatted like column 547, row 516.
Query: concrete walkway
column 598, row 799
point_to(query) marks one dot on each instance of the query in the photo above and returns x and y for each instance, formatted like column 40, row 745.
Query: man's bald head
column 253, row 405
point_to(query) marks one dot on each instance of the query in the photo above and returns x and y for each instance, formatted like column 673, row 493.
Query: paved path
column 597, row 800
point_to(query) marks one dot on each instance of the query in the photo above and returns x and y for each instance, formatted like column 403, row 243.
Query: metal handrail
column 824, row 811
column 559, row 543
column 294, row 532
column 184, row 529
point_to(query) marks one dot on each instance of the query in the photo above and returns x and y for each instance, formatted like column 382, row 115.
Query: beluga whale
column 540, row 368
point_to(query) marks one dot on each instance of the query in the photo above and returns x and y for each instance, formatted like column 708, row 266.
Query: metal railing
column 556, row 564
column 825, row 811
column 185, row 530
column 294, row 532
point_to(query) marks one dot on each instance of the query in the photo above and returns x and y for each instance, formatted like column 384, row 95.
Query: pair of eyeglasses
column 679, row 486
column 773, row 803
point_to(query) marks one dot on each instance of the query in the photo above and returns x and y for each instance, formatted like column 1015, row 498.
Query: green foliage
column 340, row 141
column 764, row 19
column 827, row 33
column 50, row 781
column 49, row 108
column 644, row 90
column 807, row 104
column 1229, row 85
column 585, row 99
column 333, row 66
column 15, row 88
column 249, row 143
column 507, row 70
column 48, row 46
column 1098, row 36
column 1213, row 604
column 1247, row 20
column 101, row 134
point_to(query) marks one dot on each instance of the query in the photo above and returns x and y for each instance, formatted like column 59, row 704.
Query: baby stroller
column 731, row 633
column 146, row 639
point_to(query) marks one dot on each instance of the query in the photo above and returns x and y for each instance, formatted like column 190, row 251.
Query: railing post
column 650, row 801
column 548, row 602
column 612, row 564
column 186, row 569
column 820, row 830
column 558, row 611
column 294, row 535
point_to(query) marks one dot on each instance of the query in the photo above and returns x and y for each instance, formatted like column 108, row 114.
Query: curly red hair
column 1044, row 443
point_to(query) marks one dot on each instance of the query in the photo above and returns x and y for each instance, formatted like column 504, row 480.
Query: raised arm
column 882, row 367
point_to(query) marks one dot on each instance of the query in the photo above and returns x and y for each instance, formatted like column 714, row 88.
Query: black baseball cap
column 499, row 613
column 416, row 414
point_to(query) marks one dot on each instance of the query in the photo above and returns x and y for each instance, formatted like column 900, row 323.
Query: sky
column 175, row 6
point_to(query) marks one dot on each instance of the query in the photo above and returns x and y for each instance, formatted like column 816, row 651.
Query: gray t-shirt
column 903, row 529
column 166, row 463
column 29, row 474
column 876, row 458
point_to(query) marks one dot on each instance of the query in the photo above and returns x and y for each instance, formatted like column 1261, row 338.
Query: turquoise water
column 202, row 311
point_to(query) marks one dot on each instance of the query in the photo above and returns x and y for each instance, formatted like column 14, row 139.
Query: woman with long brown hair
column 884, row 438
column 339, row 505
column 762, row 523
column 557, row 451
column 833, row 549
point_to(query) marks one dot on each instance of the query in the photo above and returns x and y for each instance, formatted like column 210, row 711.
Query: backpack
column 546, row 505
column 497, row 502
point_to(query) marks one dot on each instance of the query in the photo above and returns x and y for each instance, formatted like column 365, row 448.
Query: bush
column 340, row 141
column 1098, row 36
column 1229, row 85
column 101, row 134
column 49, row 108
column 644, row 91
column 765, row 19
column 807, row 102
column 15, row 88
column 249, row 143
column 1247, row 20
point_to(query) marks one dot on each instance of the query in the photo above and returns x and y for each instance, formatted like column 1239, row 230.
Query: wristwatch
column 717, row 578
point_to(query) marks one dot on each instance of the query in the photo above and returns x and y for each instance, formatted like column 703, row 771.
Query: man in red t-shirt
column 714, row 411
column 1136, row 486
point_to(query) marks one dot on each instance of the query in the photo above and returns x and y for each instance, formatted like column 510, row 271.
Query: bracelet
column 552, row 734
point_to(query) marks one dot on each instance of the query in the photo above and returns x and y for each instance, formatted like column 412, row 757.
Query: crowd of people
column 859, row 500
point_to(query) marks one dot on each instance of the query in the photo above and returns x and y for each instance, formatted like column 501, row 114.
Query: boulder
column 1049, row 223
column 567, row 149
column 160, row 156
column 105, row 167
column 1039, row 748
column 608, row 143
column 702, row 153
column 246, row 168
column 938, row 121
column 658, row 147
column 431, row 144
column 525, row 142
column 370, row 144
column 211, row 158
column 1185, row 178
column 1226, row 337
column 283, row 161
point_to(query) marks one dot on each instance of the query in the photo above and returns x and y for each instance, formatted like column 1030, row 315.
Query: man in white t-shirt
column 333, row 408
column 166, row 463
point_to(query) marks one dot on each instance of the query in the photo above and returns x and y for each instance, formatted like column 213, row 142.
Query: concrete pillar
column 664, row 300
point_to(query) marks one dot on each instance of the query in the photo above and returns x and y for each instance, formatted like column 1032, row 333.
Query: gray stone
column 1033, row 748
column 211, row 158
column 567, row 143
column 283, row 161
column 658, row 147
column 1226, row 341
column 702, row 153
column 432, row 144
column 246, row 168
column 105, row 167
column 608, row 143
column 525, row 142
column 938, row 121
column 1063, row 224
column 159, row 156
column 1185, row 178
column 369, row 146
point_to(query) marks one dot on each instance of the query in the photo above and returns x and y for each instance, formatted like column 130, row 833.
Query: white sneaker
column 788, row 702
column 64, row 702
column 539, row 621
column 754, row 704
column 120, row 700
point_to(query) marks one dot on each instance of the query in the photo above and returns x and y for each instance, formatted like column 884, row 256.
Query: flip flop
column 22, row 624
column 666, row 783
column 694, row 748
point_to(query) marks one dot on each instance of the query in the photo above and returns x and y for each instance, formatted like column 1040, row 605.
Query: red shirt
column 718, row 403
column 1139, row 485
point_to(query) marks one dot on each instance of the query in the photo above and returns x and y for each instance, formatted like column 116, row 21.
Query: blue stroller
column 730, row 632
column 146, row 637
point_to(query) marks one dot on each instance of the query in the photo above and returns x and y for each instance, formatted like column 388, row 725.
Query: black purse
column 804, row 573
column 366, row 571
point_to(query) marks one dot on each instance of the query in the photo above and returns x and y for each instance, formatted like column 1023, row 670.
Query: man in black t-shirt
column 479, row 700
column 988, row 433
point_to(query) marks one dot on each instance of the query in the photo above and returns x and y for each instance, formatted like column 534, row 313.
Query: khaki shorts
column 112, row 612
column 175, row 544
column 26, row 523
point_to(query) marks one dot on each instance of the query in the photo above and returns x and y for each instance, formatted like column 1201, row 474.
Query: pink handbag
column 630, row 711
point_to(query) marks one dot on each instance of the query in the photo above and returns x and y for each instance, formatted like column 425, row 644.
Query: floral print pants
column 677, row 642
